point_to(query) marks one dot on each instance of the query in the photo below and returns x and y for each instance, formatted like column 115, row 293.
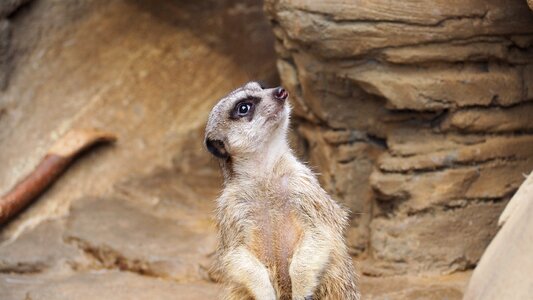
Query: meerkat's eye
column 244, row 108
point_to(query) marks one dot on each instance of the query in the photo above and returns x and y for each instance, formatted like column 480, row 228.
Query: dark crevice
column 453, row 205
column 387, row 206
column 107, row 258
column 431, row 62
column 23, row 268
column 493, row 104
column 18, row 8
column 346, row 161
column 502, row 133
column 437, row 121
column 378, row 141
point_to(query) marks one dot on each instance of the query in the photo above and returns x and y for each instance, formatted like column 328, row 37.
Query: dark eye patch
column 244, row 108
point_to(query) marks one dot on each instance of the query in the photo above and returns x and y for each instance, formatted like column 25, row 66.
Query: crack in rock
column 107, row 258
column 23, row 268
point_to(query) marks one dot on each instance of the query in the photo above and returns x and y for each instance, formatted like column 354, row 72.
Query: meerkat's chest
column 274, row 234
column 276, row 227
column 273, row 238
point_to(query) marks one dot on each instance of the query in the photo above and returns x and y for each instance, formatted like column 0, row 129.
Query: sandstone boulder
column 130, row 221
column 504, row 271
column 417, row 115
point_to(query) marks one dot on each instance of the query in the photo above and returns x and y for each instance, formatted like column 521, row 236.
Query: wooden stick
column 51, row 166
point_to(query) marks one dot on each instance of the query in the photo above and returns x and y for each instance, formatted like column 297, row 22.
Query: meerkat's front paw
column 300, row 293
column 303, row 284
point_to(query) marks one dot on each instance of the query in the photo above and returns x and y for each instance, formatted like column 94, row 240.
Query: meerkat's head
column 248, row 120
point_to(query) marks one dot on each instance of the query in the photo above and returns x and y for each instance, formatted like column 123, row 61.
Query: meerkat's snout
column 281, row 94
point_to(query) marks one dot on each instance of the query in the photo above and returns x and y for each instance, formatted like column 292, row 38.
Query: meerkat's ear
column 217, row 148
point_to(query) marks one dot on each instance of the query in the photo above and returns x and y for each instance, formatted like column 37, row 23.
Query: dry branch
column 51, row 166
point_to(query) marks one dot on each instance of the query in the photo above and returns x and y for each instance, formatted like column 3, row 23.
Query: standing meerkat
column 281, row 236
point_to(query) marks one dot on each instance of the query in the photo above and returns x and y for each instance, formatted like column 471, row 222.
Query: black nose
column 281, row 93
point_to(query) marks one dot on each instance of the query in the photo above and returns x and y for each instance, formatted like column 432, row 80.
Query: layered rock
column 417, row 115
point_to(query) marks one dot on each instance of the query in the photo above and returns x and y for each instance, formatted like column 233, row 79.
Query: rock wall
column 417, row 115
column 149, row 71
column 132, row 220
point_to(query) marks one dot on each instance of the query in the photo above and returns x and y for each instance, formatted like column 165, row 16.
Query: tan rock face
column 132, row 220
column 417, row 115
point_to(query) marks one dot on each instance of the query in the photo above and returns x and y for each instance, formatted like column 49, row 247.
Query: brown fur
column 276, row 233
column 280, row 234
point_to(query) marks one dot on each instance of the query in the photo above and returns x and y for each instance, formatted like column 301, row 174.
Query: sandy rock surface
column 417, row 114
column 132, row 220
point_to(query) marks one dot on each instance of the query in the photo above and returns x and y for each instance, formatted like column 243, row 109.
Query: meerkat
column 281, row 236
